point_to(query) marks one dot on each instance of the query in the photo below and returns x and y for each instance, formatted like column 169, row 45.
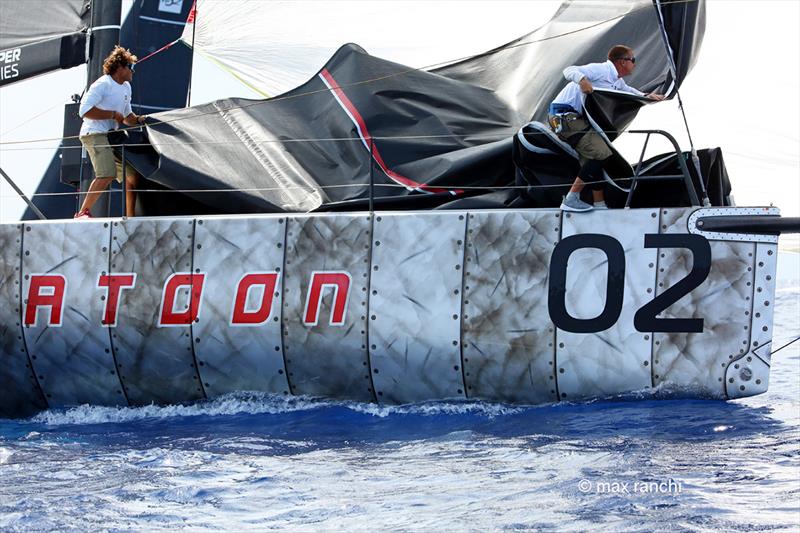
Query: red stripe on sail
column 366, row 138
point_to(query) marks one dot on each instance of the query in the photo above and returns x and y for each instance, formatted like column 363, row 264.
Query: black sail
column 434, row 134
column 38, row 36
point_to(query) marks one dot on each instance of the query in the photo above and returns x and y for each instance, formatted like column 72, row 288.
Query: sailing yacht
column 391, row 234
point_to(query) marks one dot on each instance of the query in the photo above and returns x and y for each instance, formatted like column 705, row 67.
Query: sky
column 743, row 94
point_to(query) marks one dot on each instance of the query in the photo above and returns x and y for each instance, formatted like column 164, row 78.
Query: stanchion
column 371, row 178
column 124, row 184
column 80, row 181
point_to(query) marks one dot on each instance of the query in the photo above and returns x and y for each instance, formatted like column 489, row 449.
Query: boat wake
column 260, row 406
column 258, row 403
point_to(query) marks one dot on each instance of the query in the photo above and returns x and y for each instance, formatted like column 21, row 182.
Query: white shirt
column 600, row 75
column 108, row 95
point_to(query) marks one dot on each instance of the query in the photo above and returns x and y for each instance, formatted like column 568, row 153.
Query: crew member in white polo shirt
column 566, row 116
column 105, row 106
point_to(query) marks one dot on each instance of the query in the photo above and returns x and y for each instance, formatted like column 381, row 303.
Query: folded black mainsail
column 431, row 132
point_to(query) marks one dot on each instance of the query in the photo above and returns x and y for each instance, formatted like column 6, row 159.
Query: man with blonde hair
column 567, row 119
column 105, row 105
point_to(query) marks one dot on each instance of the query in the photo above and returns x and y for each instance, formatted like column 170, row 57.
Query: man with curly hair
column 105, row 106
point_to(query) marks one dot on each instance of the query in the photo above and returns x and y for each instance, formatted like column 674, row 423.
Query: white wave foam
column 229, row 404
column 262, row 403
column 437, row 408
column 255, row 403
column 5, row 455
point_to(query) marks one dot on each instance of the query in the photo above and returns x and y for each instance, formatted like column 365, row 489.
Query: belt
column 558, row 109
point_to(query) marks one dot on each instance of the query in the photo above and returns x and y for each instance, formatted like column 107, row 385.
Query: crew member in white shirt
column 105, row 106
column 567, row 110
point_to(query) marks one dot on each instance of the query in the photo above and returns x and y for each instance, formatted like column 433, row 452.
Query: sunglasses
column 631, row 59
column 132, row 66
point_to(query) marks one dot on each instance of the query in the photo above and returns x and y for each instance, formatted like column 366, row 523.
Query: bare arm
column 95, row 113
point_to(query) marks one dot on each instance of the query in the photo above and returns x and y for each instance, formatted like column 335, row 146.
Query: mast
column 103, row 36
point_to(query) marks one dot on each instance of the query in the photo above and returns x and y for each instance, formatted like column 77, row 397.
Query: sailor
column 566, row 119
column 105, row 105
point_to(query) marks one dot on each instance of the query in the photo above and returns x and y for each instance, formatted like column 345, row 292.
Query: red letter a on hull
column 46, row 290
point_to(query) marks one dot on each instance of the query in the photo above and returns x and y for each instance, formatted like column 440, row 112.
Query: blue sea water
column 249, row 461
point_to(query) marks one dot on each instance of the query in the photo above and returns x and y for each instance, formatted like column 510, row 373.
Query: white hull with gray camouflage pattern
column 395, row 307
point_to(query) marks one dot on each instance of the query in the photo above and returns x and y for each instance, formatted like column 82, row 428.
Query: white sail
column 275, row 46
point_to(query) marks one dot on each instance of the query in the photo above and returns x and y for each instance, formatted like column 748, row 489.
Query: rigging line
column 674, row 70
column 156, row 122
column 165, row 47
column 298, row 140
column 500, row 136
column 785, row 345
column 18, row 126
column 323, row 187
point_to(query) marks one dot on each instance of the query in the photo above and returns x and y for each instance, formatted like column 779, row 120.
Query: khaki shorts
column 591, row 145
column 105, row 162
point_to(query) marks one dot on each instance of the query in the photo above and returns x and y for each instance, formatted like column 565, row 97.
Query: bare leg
column 97, row 186
column 132, row 182
column 577, row 185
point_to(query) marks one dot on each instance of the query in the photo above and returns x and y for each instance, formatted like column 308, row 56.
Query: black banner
column 30, row 60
